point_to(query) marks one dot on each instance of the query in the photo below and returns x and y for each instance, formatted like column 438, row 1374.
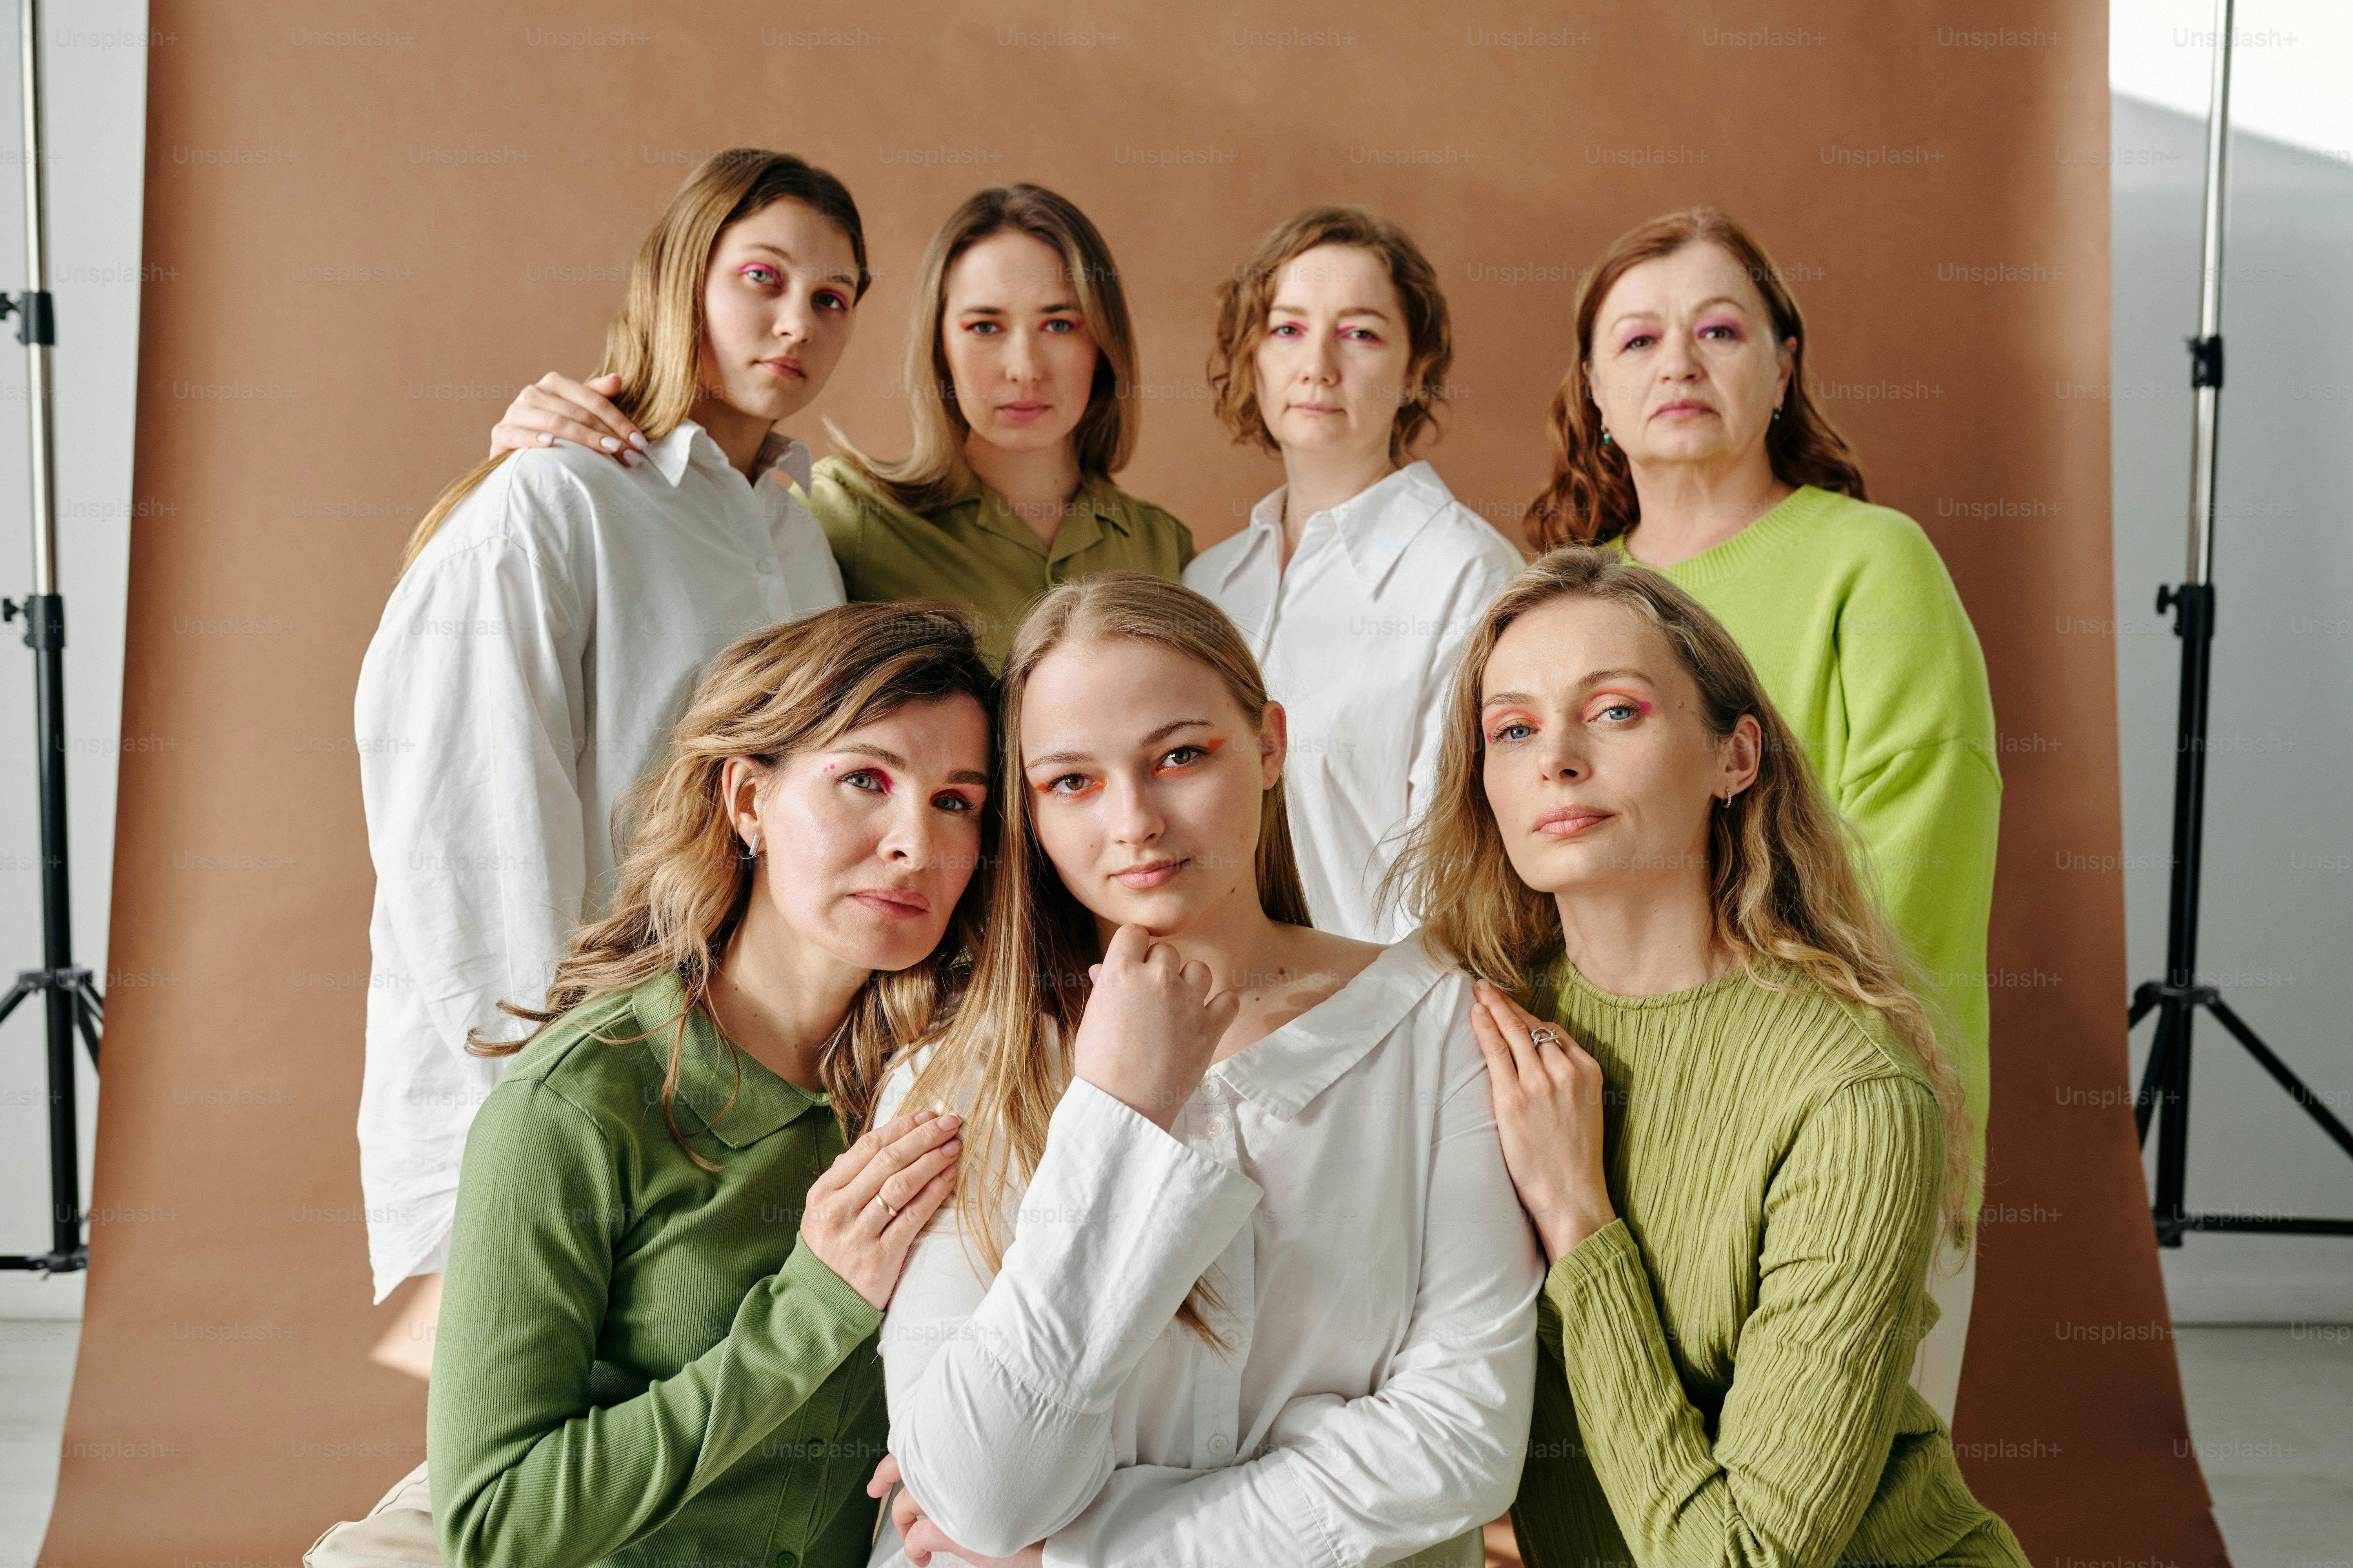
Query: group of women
column 1092, row 1053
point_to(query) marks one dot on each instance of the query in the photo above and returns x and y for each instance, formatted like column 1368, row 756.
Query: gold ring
column 886, row 1206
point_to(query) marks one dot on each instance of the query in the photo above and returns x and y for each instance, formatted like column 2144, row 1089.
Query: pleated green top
column 1723, row 1372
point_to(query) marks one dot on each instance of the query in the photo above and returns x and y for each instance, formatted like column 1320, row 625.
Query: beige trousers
column 396, row 1533
column 1936, row 1369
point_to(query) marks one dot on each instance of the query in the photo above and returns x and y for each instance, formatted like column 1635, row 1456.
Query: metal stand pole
column 2165, row 1079
column 71, row 999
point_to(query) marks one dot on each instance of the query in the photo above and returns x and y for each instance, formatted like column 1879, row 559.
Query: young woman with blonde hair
column 550, row 619
column 1020, row 370
column 1689, row 438
column 1235, row 1274
column 1732, row 1126
column 1358, row 578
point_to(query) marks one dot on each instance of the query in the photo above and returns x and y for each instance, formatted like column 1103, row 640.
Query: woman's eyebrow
column 1074, row 753
column 1590, row 677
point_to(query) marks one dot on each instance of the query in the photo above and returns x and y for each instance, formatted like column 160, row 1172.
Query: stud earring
column 1776, row 417
column 1605, row 436
column 752, row 846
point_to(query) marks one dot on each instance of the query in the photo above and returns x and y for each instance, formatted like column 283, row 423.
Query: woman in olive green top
column 1733, row 1127
column 657, row 1338
column 1020, row 377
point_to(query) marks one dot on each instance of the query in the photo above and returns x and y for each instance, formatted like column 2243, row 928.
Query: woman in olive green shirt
column 1733, row 1127
column 1019, row 377
column 657, row 1337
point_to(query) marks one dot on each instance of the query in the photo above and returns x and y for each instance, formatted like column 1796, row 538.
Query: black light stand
column 2165, row 1081
column 73, row 1001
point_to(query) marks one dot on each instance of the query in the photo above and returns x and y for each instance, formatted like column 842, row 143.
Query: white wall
column 94, row 52
column 2277, row 929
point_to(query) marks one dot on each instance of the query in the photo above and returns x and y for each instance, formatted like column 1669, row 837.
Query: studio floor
column 2271, row 1409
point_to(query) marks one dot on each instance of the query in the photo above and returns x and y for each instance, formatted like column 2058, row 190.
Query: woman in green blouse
column 1732, row 1126
column 1020, row 377
column 657, row 1338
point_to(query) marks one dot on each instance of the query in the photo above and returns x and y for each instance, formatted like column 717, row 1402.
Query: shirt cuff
column 813, row 1294
column 1117, row 1223
column 1587, row 1267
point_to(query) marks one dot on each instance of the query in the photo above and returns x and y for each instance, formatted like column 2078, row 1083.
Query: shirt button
column 767, row 564
column 1221, row 1445
column 787, row 1560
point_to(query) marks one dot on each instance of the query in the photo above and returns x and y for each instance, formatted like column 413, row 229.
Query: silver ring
column 1543, row 1037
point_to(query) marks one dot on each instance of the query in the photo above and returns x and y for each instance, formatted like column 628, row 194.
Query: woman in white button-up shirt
column 1235, row 1280
column 1355, row 581
column 548, row 627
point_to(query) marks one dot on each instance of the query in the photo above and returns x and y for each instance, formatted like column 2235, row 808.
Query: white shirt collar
column 1281, row 1073
column 672, row 454
column 1375, row 525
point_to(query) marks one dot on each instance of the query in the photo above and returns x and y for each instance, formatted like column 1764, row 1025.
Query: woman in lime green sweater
column 1687, row 438
column 1732, row 1126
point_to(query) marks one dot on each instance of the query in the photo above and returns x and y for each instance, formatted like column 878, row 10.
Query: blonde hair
column 655, row 342
column 1244, row 300
column 686, row 877
column 1006, row 1049
column 935, row 472
column 1781, row 862
column 1590, row 498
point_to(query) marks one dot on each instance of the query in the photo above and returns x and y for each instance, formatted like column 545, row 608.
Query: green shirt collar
column 707, row 1076
column 1099, row 504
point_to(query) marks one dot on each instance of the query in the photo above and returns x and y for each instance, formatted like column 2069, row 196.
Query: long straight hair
column 685, row 879
column 934, row 471
column 1003, row 1061
column 655, row 342
column 1590, row 498
column 1781, row 861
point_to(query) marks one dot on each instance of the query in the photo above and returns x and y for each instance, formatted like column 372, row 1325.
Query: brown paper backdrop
column 366, row 226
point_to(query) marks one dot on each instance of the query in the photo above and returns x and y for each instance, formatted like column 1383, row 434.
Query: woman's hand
column 1547, row 1094
column 558, row 408
column 866, row 1211
column 920, row 1537
column 1151, row 1025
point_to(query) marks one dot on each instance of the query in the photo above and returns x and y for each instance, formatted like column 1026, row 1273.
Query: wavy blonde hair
column 1002, row 1062
column 935, row 472
column 686, row 877
column 1781, row 862
column 655, row 342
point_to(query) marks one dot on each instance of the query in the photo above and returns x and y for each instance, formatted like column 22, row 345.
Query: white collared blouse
column 1341, row 1185
column 528, row 667
column 1357, row 639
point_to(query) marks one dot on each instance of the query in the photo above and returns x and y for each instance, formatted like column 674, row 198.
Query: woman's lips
column 1153, row 874
column 1568, row 821
column 896, row 902
column 789, row 368
column 1023, row 412
column 1682, row 408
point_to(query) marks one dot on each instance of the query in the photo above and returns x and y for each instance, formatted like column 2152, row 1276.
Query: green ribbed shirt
column 637, row 1362
column 1856, row 630
column 1723, row 1373
column 977, row 553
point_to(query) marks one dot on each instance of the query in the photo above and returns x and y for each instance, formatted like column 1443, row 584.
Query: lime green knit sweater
column 1853, row 626
column 1723, row 1375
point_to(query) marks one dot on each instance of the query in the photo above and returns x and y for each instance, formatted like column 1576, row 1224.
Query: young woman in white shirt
column 1234, row 1273
column 552, row 614
column 1356, row 581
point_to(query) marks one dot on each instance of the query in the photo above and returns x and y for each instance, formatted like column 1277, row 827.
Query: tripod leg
column 86, row 1017
column 10, row 1003
column 2280, row 1071
column 2173, row 1123
column 2153, row 1077
column 2144, row 998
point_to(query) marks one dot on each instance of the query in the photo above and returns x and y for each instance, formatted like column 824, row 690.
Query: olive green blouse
column 978, row 553
column 637, row 1362
column 1723, row 1371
